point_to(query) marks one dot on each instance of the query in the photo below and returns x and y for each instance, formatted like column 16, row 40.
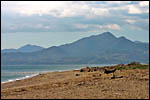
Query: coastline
column 74, row 84
column 40, row 72
column 20, row 78
column 33, row 75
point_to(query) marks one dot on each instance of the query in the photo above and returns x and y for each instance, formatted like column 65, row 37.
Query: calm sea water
column 16, row 72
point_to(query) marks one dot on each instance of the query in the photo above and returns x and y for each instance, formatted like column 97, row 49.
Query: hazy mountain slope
column 103, row 48
column 26, row 48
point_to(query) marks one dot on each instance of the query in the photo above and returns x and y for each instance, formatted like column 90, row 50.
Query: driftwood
column 113, row 77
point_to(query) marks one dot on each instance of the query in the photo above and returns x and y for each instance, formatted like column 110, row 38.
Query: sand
column 128, row 84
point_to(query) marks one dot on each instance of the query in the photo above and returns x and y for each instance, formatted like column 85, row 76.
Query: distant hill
column 140, row 42
column 104, row 48
column 26, row 48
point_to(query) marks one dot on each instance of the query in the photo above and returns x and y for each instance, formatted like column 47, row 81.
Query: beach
column 132, row 83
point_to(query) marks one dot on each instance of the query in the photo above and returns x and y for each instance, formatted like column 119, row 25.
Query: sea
column 11, row 73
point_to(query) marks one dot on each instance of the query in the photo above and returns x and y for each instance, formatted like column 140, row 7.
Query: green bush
column 140, row 67
column 134, row 67
column 121, row 68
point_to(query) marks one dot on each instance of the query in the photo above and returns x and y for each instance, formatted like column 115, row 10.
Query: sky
column 53, row 23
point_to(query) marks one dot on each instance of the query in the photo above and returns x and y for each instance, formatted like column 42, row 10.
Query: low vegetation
column 133, row 65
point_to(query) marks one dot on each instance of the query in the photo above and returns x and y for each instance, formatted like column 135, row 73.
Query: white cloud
column 32, row 7
column 40, row 7
column 134, row 10
column 130, row 21
column 142, row 7
column 107, row 27
column 54, row 8
column 100, row 11
column 98, row 15
column 144, row 3
column 97, row 26
column 110, row 27
column 114, row 2
column 72, row 8
column 118, row 2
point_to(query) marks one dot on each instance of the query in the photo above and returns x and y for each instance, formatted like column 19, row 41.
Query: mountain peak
column 122, row 37
column 30, row 48
column 107, row 34
column 25, row 48
column 27, row 45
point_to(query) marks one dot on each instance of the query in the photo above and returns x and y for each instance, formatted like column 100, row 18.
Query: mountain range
column 104, row 48
column 26, row 48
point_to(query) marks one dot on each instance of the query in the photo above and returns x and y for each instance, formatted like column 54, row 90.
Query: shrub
column 121, row 68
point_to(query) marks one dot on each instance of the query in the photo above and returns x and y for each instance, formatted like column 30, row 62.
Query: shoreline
column 33, row 75
column 19, row 78
column 38, row 73
column 132, row 83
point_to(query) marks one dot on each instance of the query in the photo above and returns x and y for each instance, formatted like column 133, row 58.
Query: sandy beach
column 128, row 84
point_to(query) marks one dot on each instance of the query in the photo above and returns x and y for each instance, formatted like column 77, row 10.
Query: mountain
column 90, row 45
column 104, row 48
column 8, row 50
column 140, row 42
column 26, row 48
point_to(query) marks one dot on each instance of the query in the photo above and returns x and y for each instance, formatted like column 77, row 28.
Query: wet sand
column 128, row 84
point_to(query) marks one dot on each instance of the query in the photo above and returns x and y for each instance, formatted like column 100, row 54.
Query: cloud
column 110, row 27
column 72, row 8
column 73, row 15
column 100, row 11
column 140, row 8
column 130, row 21
column 81, row 26
column 134, row 10
column 144, row 3
column 90, row 27
column 32, row 7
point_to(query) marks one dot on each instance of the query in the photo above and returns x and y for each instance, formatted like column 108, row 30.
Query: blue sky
column 49, row 23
